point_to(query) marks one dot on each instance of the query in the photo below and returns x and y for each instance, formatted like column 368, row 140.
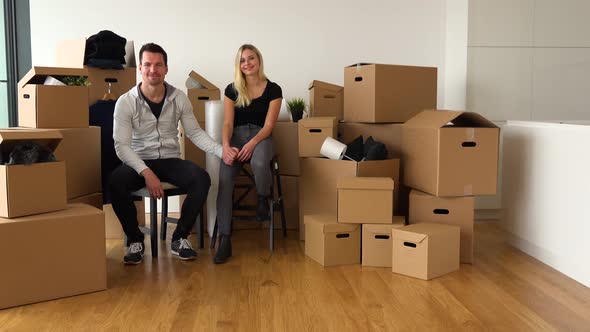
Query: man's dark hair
column 153, row 48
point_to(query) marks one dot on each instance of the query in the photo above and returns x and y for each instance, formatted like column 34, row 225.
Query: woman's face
column 249, row 63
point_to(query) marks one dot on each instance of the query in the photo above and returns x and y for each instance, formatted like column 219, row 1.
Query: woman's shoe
column 223, row 250
column 262, row 210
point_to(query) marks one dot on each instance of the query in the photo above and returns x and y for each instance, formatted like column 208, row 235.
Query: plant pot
column 296, row 115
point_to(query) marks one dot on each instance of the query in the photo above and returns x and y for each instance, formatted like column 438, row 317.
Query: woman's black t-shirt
column 255, row 113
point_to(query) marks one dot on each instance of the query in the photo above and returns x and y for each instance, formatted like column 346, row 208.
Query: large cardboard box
column 389, row 134
column 80, row 149
column 377, row 243
column 112, row 225
column 425, row 251
column 450, row 153
column 52, row 106
column 94, row 200
column 286, row 141
column 189, row 151
column 68, row 256
column 455, row 211
column 365, row 200
column 70, row 53
column 313, row 132
column 35, row 188
column 325, row 99
column 330, row 243
column 377, row 93
column 201, row 92
column 318, row 193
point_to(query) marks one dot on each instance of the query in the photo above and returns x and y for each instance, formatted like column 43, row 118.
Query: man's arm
column 122, row 133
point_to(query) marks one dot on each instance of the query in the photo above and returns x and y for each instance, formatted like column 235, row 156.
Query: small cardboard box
column 313, row 132
column 80, row 149
column 52, row 106
column 365, row 200
column 31, row 189
column 318, row 192
column 71, row 53
column 286, row 141
column 189, row 151
column 377, row 243
column 450, row 153
column 455, row 211
column 112, row 226
column 425, row 251
column 68, row 256
column 325, row 99
column 377, row 93
column 330, row 243
column 94, row 200
column 201, row 92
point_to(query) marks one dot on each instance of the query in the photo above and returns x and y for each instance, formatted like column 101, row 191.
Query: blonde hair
column 240, row 87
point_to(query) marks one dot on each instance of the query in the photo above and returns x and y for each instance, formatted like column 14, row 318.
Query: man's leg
column 124, row 180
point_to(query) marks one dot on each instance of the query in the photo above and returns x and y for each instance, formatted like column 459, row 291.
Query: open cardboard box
column 201, row 92
column 52, row 106
column 325, row 99
column 31, row 189
column 70, row 53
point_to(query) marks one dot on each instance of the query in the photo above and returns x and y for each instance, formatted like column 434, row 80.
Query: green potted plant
column 296, row 107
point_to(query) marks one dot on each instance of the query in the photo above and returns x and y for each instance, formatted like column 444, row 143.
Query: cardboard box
column 377, row 243
column 112, row 226
column 425, row 251
column 377, row 93
column 325, row 99
column 365, row 200
column 450, row 153
column 455, row 211
column 389, row 134
column 202, row 92
column 313, row 133
column 52, row 106
column 286, row 141
column 189, row 151
column 70, row 53
column 330, row 243
column 31, row 189
column 68, row 256
column 94, row 200
column 80, row 150
column 318, row 193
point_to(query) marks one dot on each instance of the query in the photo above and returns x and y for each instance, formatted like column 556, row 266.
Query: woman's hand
column 246, row 151
column 229, row 154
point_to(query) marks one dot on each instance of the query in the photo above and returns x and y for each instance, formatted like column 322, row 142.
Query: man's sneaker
column 183, row 249
column 134, row 254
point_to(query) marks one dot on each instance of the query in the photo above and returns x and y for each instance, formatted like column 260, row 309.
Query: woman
column 251, row 108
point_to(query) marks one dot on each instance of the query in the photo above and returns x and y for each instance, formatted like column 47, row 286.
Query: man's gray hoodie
column 140, row 136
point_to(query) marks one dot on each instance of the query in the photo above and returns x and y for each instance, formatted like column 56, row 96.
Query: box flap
column 10, row 137
column 325, row 85
column 320, row 219
column 200, row 82
column 319, row 122
column 361, row 64
column 70, row 53
column 340, row 228
column 471, row 119
column 407, row 236
column 376, row 183
column 37, row 74
column 381, row 229
column 432, row 119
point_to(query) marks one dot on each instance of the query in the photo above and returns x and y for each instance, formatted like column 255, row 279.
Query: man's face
column 152, row 68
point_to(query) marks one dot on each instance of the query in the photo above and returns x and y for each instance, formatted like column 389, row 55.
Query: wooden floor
column 505, row 290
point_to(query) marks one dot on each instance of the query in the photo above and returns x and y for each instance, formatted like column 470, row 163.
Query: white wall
column 545, row 194
column 300, row 40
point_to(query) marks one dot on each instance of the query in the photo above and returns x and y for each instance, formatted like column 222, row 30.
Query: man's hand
column 246, row 151
column 229, row 154
column 152, row 183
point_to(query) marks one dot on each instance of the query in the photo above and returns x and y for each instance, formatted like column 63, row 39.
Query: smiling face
column 249, row 63
column 153, row 69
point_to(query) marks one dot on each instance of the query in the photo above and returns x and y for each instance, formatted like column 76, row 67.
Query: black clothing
column 255, row 113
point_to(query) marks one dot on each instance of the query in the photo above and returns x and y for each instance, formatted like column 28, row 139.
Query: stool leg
column 201, row 228
column 280, row 198
column 214, row 237
column 271, row 225
column 163, row 218
column 154, row 226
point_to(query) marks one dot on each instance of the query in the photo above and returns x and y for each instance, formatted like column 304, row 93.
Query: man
column 146, row 140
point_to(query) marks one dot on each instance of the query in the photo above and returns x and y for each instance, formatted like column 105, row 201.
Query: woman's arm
column 269, row 124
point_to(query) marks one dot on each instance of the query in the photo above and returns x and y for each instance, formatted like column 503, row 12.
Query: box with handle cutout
column 312, row 133
column 330, row 243
column 377, row 242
